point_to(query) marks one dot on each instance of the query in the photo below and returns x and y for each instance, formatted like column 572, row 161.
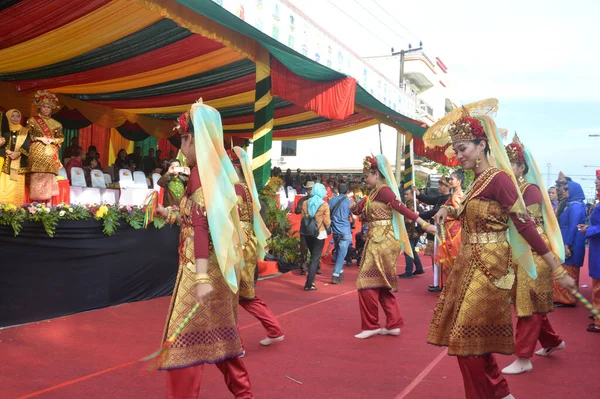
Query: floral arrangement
column 109, row 215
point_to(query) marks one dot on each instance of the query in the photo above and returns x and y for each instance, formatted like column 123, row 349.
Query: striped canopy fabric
column 135, row 65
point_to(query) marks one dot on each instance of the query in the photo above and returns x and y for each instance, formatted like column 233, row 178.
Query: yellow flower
column 10, row 207
column 102, row 211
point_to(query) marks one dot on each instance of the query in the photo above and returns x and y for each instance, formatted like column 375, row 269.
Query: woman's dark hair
column 92, row 147
column 459, row 174
column 486, row 150
column 526, row 168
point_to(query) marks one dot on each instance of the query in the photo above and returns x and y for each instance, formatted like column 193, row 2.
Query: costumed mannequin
column 46, row 137
column 386, row 239
column 256, row 236
column 472, row 317
column 533, row 298
column 14, row 149
column 210, row 258
column 448, row 249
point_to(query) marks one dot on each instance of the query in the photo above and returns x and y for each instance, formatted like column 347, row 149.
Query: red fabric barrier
column 165, row 147
column 179, row 51
column 30, row 18
column 333, row 99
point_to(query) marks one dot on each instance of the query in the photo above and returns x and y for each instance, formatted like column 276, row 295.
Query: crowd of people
column 503, row 242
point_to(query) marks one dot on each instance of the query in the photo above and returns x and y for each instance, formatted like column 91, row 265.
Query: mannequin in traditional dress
column 46, row 137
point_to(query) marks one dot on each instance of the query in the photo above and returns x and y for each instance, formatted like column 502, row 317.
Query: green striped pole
column 408, row 178
column 263, row 120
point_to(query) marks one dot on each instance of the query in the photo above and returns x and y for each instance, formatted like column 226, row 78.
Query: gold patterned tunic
column 534, row 296
column 212, row 334
column 377, row 268
column 473, row 316
column 44, row 158
column 246, row 212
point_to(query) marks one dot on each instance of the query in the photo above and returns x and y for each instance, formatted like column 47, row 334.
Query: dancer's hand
column 567, row 252
column 440, row 217
column 582, row 228
column 568, row 283
column 202, row 293
column 431, row 229
column 161, row 211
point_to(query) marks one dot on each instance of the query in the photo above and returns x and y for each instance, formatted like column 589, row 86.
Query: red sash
column 48, row 134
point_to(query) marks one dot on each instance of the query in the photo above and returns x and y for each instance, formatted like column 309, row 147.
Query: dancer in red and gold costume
column 386, row 239
column 46, row 138
column 472, row 317
column 210, row 257
column 256, row 235
column 533, row 298
column 448, row 249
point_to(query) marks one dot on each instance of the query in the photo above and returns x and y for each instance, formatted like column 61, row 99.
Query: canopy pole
column 262, row 138
column 399, row 156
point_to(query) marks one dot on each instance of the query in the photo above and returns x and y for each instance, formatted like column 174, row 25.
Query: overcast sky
column 540, row 58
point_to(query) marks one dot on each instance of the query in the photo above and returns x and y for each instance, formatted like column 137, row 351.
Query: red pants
column 369, row 309
column 185, row 383
column 530, row 330
column 482, row 378
column 257, row 308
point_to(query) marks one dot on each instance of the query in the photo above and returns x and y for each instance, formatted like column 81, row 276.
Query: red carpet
column 92, row 355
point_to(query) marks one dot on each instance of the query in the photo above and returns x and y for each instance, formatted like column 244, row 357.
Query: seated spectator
column 136, row 158
column 149, row 162
column 90, row 164
column 120, row 163
column 93, row 153
column 174, row 182
column 70, row 151
column 76, row 161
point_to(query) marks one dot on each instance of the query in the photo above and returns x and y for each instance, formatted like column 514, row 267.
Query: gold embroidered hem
column 380, row 255
column 42, row 186
column 472, row 316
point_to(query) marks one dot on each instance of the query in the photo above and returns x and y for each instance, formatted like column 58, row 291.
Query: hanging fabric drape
column 116, row 143
column 333, row 100
column 97, row 136
column 150, row 142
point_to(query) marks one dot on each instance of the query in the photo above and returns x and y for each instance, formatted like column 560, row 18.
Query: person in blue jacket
column 573, row 215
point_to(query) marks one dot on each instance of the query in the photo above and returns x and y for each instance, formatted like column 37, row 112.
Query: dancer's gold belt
column 379, row 223
column 486, row 238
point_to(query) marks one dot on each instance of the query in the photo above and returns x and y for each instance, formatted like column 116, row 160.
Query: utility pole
column 399, row 147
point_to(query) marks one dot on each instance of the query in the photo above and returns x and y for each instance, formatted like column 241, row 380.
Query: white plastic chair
column 139, row 179
column 107, row 179
column 63, row 172
column 77, row 177
column 155, row 178
column 125, row 178
column 98, row 178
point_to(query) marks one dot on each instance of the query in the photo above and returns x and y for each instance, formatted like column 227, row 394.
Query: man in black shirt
column 298, row 211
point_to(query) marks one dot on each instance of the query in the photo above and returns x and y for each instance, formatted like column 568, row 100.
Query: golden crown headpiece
column 466, row 128
column 370, row 163
column 515, row 151
column 44, row 97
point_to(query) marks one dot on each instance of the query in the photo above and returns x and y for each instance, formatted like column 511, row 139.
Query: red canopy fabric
column 332, row 100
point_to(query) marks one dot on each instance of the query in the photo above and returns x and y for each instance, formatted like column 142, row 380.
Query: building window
column 288, row 148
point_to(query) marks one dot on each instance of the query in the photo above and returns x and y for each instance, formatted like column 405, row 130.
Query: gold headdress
column 444, row 131
column 44, row 97
column 515, row 151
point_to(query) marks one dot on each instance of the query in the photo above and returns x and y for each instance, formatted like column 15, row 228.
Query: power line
column 359, row 24
column 395, row 20
column 383, row 23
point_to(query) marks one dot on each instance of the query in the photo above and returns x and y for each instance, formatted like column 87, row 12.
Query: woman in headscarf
column 315, row 207
column 533, row 298
column 573, row 214
column 553, row 194
column 592, row 233
column 46, row 138
column 386, row 238
column 473, row 316
column 14, row 149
